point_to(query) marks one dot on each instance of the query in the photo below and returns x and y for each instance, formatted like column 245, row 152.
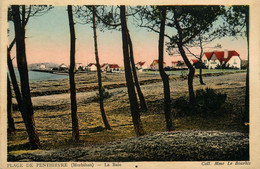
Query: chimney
column 225, row 54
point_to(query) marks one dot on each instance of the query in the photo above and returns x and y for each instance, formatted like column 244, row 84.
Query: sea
column 40, row 76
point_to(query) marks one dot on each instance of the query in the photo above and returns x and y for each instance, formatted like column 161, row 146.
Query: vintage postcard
column 122, row 84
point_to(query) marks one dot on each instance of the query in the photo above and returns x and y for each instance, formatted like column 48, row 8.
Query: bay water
column 40, row 76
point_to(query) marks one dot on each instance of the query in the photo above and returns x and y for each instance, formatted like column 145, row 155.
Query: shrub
column 207, row 101
column 106, row 95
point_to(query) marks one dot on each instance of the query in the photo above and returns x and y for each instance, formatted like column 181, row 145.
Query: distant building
column 113, row 68
column 222, row 58
column 78, row 66
column 175, row 64
column 63, row 67
column 140, row 66
column 155, row 65
column 92, row 67
column 42, row 67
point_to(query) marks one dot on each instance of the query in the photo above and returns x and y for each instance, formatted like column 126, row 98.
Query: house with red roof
column 92, row 67
column 113, row 68
column 228, row 58
column 155, row 65
column 140, row 66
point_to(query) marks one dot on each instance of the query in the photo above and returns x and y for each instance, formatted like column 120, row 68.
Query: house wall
column 213, row 62
column 93, row 68
column 174, row 65
column 205, row 60
column 155, row 65
column 235, row 61
column 138, row 66
column 115, row 69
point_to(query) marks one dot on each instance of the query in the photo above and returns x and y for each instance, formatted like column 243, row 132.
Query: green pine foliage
column 208, row 101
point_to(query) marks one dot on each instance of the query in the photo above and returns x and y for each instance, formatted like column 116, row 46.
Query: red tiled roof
column 103, row 65
column 220, row 55
column 208, row 55
column 141, row 63
column 91, row 64
column 113, row 66
column 174, row 62
column 194, row 60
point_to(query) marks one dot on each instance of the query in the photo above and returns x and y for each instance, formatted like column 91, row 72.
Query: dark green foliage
column 207, row 102
column 225, row 66
column 106, row 95
column 199, row 65
column 96, row 129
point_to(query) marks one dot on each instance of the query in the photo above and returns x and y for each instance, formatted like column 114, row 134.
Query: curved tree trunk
column 100, row 88
column 186, row 60
column 11, row 126
column 190, row 75
column 137, row 85
column 16, row 89
column 74, row 115
column 129, row 78
column 24, row 79
column 164, row 76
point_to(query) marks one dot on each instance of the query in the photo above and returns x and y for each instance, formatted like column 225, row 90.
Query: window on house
column 235, row 62
column 205, row 61
column 213, row 61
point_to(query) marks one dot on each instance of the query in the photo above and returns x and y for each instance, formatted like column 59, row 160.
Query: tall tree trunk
column 100, row 88
column 247, row 72
column 74, row 115
column 137, row 85
column 164, row 76
column 129, row 78
column 186, row 60
column 201, row 80
column 200, row 75
column 201, row 63
column 24, row 79
column 11, row 126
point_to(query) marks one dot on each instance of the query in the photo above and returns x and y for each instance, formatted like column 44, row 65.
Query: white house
column 92, row 67
column 113, row 68
column 42, row 67
column 228, row 58
column 140, row 66
column 155, row 65
column 63, row 67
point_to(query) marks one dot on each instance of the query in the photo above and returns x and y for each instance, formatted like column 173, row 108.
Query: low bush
column 106, row 95
column 207, row 101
